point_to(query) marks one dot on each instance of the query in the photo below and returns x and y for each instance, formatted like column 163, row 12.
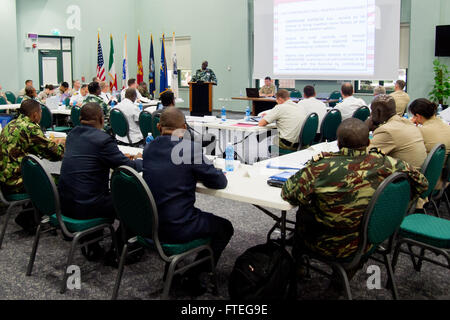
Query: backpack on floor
column 263, row 272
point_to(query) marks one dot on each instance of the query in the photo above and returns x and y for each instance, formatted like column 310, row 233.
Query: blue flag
column 163, row 79
column 151, row 73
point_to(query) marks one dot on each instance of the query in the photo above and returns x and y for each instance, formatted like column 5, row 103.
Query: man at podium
column 204, row 74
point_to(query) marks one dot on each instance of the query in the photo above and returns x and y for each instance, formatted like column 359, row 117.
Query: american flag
column 101, row 74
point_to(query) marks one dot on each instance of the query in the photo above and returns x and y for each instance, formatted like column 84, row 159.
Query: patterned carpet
column 142, row 280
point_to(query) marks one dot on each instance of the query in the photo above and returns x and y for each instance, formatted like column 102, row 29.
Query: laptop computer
column 252, row 93
column 52, row 103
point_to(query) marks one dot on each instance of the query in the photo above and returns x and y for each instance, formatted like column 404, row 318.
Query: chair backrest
column 362, row 113
column 75, row 116
column 42, row 190
column 385, row 212
column 309, row 130
column 145, row 123
column 19, row 99
column 3, row 101
column 447, row 170
column 155, row 121
column 67, row 102
column 135, row 205
column 119, row 123
column 10, row 96
column 330, row 124
column 432, row 168
column 296, row 94
column 47, row 119
column 335, row 95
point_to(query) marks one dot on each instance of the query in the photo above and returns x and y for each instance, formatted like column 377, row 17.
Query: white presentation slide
column 324, row 37
column 327, row 39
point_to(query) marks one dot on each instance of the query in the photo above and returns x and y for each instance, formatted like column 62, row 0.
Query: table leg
column 254, row 108
column 283, row 228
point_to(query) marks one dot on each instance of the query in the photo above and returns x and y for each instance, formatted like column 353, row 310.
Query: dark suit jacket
column 84, row 182
column 173, row 185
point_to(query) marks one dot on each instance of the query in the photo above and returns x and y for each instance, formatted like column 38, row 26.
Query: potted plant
column 441, row 89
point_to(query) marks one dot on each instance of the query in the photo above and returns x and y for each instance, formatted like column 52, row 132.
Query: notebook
column 278, row 180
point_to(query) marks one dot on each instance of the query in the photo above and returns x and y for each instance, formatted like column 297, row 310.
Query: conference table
column 248, row 183
column 238, row 132
column 9, row 107
column 262, row 104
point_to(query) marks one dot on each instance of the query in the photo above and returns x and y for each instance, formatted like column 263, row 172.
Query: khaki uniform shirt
column 267, row 90
column 401, row 139
column 435, row 131
column 289, row 118
column 402, row 100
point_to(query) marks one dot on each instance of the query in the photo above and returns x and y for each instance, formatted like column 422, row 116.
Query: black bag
column 263, row 272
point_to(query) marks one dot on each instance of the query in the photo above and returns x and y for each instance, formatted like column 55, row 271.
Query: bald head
column 353, row 134
column 347, row 89
column 92, row 115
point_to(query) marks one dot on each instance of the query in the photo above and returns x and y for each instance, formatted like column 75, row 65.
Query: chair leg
column 447, row 202
column 34, row 250
column 214, row 275
column 436, row 208
column 395, row 255
column 345, row 281
column 168, row 282
column 7, row 217
column 418, row 267
column 120, row 271
column 391, row 279
column 69, row 262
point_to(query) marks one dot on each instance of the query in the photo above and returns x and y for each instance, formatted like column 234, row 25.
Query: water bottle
column 406, row 116
column 149, row 138
column 113, row 103
column 247, row 114
column 224, row 114
column 439, row 110
column 140, row 106
column 340, row 99
column 229, row 157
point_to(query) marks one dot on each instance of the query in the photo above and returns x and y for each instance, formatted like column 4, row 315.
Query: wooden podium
column 200, row 98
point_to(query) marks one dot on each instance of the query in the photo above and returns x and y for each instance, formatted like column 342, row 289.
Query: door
column 50, row 68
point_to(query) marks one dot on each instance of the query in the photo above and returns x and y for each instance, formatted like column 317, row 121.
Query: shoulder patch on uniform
column 377, row 151
column 321, row 156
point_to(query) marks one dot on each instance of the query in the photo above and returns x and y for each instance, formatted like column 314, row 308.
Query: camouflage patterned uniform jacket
column 93, row 98
column 106, row 108
column 333, row 192
column 19, row 138
column 206, row 75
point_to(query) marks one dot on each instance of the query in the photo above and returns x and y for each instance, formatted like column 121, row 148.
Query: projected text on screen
column 324, row 37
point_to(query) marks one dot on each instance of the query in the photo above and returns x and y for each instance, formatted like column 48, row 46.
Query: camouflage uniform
column 106, row 108
column 333, row 191
column 19, row 138
column 206, row 75
column 268, row 89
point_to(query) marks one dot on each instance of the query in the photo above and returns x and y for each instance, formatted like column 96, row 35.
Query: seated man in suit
column 172, row 168
column 167, row 100
column 20, row 137
column 334, row 190
column 84, row 182
column 289, row 119
column 395, row 136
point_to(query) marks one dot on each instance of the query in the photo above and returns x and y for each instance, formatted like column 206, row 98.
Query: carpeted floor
column 143, row 280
